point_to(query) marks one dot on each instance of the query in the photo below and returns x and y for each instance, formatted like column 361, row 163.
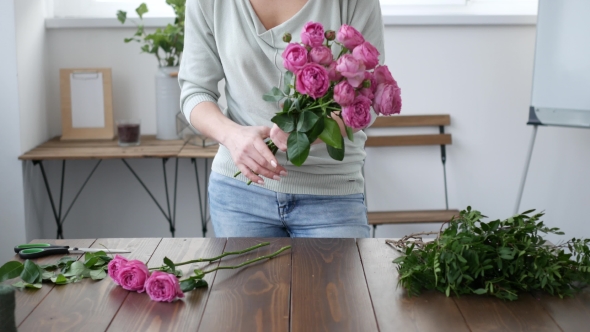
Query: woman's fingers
column 279, row 137
column 249, row 174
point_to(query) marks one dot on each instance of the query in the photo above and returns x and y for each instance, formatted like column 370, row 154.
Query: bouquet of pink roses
column 318, row 88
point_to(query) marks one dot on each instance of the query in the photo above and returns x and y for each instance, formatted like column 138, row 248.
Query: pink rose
column 312, row 79
column 294, row 57
column 312, row 34
column 162, row 286
column 368, row 54
column 114, row 266
column 358, row 114
column 367, row 92
column 344, row 93
column 371, row 78
column 132, row 276
column 321, row 54
column 333, row 74
column 383, row 75
column 388, row 99
column 349, row 36
column 352, row 69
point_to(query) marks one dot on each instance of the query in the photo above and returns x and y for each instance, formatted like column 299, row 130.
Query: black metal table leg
column 202, row 204
column 59, row 221
column 171, row 215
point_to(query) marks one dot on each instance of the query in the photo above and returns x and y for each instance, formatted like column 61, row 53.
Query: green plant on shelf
column 166, row 43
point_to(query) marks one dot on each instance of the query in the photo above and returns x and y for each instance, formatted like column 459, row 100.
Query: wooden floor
column 319, row 285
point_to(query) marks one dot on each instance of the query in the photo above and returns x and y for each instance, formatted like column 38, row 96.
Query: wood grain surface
column 320, row 285
column 194, row 151
column 408, row 140
column 255, row 297
column 570, row 313
column 486, row 313
column 412, row 121
column 150, row 147
column 87, row 305
column 395, row 311
column 408, row 217
column 29, row 299
column 139, row 313
column 328, row 291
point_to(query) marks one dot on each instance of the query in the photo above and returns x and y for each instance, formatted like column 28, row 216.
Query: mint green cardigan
column 226, row 40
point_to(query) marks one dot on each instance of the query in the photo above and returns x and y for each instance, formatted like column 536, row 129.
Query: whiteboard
column 561, row 79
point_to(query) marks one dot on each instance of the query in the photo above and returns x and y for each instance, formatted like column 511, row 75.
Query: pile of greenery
column 166, row 44
column 500, row 258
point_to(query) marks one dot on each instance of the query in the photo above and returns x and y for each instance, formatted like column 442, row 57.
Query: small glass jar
column 128, row 131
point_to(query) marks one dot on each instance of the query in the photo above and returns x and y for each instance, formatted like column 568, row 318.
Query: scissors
column 36, row 250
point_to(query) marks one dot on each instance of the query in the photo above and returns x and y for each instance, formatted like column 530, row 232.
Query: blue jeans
column 239, row 210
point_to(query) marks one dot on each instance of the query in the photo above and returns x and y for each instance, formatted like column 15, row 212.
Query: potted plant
column 166, row 44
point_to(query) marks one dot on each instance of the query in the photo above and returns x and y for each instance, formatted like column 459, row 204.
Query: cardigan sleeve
column 200, row 67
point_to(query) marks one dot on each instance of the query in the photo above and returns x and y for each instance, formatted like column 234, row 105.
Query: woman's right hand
column 252, row 156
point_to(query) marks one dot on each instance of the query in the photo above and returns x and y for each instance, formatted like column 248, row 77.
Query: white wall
column 481, row 75
column 31, row 53
column 12, row 226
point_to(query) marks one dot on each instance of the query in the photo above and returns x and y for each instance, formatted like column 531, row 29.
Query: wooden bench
column 442, row 139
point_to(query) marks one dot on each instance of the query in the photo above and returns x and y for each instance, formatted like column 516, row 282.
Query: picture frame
column 86, row 103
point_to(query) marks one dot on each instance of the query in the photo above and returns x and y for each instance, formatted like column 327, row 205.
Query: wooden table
column 319, row 285
column 150, row 147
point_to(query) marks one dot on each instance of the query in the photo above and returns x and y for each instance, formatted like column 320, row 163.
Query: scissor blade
column 108, row 251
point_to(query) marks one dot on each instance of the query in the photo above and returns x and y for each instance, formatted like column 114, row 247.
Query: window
column 423, row 2
column 108, row 8
column 394, row 11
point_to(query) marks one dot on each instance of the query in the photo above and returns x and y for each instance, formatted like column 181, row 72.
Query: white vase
column 167, row 103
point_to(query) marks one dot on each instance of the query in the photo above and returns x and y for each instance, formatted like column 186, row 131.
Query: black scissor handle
column 20, row 247
column 42, row 252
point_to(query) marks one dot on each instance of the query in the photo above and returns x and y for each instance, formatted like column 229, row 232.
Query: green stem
column 276, row 253
column 228, row 253
column 319, row 106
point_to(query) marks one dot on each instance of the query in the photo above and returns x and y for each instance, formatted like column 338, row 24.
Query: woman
column 241, row 41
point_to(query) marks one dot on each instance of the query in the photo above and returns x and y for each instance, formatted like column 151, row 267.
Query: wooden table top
column 318, row 285
column 150, row 147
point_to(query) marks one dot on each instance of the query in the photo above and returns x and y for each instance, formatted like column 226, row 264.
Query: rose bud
column 162, row 286
column 366, row 83
column 330, row 35
column 287, row 37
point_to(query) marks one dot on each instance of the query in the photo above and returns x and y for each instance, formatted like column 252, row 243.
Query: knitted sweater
column 224, row 39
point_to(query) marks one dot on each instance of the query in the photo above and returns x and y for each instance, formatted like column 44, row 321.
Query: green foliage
column 70, row 270
column 166, row 43
column 501, row 258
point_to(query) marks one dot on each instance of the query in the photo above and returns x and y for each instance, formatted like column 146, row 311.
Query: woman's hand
column 251, row 155
column 279, row 138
